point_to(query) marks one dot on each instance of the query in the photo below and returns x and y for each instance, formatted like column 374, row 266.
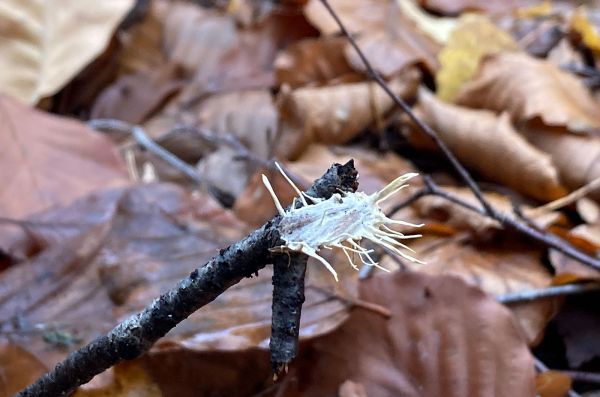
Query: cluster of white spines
column 343, row 218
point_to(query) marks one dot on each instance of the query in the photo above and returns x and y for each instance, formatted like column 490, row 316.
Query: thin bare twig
column 550, row 292
column 568, row 199
column 147, row 143
column 465, row 175
column 583, row 377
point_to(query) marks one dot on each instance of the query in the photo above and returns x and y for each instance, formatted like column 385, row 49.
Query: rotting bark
column 137, row 334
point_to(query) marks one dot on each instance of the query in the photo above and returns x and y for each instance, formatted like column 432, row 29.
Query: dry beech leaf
column 442, row 210
column 255, row 206
column 18, row 367
column 455, row 7
column 581, row 23
column 497, row 268
column 196, row 38
column 473, row 37
column 45, row 46
column 142, row 43
column 336, row 114
column 134, row 97
column 575, row 157
column 481, row 140
column 218, row 56
column 444, row 338
column 529, row 88
column 585, row 237
column 390, row 40
column 552, row 384
column 47, row 160
column 126, row 379
column 438, row 28
column 313, row 62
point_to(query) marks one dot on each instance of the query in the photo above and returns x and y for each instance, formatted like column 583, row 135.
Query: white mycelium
column 343, row 218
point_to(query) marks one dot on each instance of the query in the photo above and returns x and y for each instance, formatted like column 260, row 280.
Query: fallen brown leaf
column 312, row 62
column 575, row 157
column 336, row 114
column 18, row 367
column 444, row 339
column 528, row 89
column 45, row 46
column 127, row 379
column 134, row 97
column 497, row 268
column 552, row 384
column 390, row 40
column 481, row 140
column 47, row 160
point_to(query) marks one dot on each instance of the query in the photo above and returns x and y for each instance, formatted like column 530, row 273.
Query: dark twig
column 465, row 175
column 288, row 297
column 488, row 210
column 136, row 335
column 550, row 292
column 583, row 377
column 544, row 237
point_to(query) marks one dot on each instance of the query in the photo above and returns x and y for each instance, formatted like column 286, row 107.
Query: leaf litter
column 233, row 87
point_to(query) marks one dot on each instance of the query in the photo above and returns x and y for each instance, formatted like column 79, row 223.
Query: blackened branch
column 136, row 335
column 288, row 290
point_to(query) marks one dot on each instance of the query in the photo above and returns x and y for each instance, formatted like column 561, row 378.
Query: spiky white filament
column 343, row 218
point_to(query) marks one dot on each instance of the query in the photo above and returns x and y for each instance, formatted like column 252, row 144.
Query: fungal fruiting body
column 341, row 221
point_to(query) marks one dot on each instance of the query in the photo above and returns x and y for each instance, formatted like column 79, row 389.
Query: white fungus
column 341, row 221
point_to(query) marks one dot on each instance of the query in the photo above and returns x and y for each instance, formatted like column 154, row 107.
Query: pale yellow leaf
column 474, row 37
column 44, row 44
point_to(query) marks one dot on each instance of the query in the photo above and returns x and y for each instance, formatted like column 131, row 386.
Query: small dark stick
column 288, row 285
column 288, row 297
column 134, row 336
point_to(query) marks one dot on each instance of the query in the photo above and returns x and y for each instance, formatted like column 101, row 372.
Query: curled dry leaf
column 126, row 379
column 390, row 40
column 575, row 157
column 529, row 88
column 473, row 37
column 47, row 160
column 481, row 140
column 134, row 97
column 197, row 38
column 313, row 62
column 142, row 43
column 335, row 115
column 444, row 338
column 497, row 268
column 19, row 368
column 585, row 237
column 552, row 384
column 45, row 46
